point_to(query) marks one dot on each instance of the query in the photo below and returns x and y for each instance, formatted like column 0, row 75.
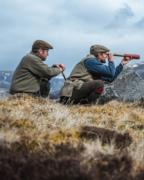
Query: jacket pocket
column 67, row 89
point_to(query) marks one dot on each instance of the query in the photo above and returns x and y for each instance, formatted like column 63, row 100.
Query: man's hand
column 60, row 66
column 110, row 57
column 125, row 60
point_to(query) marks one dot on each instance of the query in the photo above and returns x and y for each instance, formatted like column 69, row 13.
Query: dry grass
column 108, row 133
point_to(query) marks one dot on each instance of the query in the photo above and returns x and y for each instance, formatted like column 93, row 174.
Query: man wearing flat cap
column 32, row 75
column 86, row 81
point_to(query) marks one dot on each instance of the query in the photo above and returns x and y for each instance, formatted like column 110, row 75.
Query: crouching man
column 86, row 81
column 32, row 75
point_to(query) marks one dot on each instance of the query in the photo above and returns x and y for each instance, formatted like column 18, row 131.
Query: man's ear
column 98, row 54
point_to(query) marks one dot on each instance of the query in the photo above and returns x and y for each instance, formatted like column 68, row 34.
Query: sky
column 71, row 27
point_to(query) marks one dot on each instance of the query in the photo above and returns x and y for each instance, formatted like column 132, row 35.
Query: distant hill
column 5, row 78
column 56, row 84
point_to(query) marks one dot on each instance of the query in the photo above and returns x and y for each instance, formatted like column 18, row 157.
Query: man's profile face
column 43, row 53
column 102, row 57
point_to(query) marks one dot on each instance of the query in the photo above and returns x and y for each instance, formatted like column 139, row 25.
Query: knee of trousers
column 99, row 83
column 99, row 90
column 100, row 87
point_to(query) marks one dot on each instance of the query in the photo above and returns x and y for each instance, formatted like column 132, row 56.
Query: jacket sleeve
column 119, row 68
column 108, row 73
column 40, row 69
column 95, row 67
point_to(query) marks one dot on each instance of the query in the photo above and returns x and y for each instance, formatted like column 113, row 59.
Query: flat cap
column 94, row 49
column 41, row 44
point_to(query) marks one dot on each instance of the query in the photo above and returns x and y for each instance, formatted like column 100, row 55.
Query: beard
column 103, row 61
column 43, row 58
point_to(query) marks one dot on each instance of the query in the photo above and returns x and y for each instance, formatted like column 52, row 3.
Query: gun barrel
column 132, row 56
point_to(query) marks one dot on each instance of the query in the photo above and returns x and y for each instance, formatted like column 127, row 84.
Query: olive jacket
column 28, row 74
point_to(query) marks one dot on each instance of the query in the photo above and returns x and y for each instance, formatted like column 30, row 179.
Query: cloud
column 122, row 17
column 139, row 24
column 71, row 27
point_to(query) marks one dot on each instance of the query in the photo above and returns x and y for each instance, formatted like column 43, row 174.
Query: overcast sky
column 71, row 27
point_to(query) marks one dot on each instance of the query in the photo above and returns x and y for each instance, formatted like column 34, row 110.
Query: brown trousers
column 88, row 93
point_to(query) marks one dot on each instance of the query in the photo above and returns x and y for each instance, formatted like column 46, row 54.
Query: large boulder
column 128, row 86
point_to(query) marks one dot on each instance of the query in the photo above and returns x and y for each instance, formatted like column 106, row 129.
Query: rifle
column 131, row 56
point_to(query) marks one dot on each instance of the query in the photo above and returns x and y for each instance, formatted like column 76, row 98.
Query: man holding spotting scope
column 86, row 81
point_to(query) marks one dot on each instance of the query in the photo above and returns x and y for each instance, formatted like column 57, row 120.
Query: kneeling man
column 86, row 81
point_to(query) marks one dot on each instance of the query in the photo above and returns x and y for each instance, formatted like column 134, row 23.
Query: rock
column 127, row 87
